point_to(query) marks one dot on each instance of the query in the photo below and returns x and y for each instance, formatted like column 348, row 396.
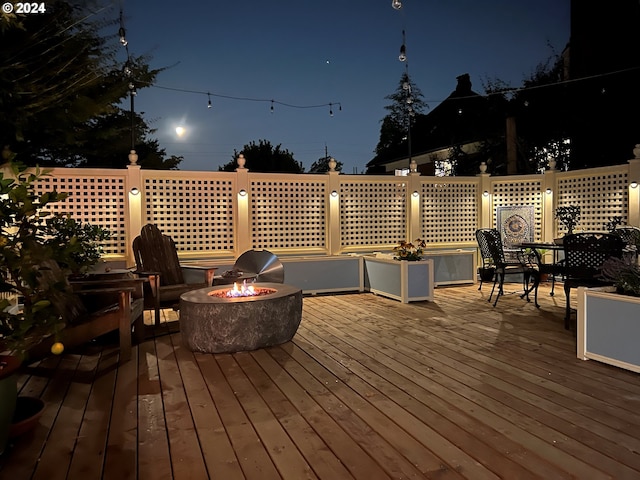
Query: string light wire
column 245, row 99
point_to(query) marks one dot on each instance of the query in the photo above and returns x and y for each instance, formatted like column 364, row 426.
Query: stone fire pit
column 214, row 324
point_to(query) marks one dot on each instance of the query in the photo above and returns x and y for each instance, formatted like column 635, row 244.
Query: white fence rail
column 222, row 214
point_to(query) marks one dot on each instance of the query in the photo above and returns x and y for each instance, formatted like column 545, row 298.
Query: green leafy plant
column 624, row 273
column 29, row 238
column 613, row 223
column 78, row 245
column 409, row 251
column 569, row 215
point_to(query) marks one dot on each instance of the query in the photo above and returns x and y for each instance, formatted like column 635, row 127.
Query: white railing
column 222, row 214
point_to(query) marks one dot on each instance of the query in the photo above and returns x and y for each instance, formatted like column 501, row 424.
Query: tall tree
column 62, row 85
column 264, row 157
column 406, row 106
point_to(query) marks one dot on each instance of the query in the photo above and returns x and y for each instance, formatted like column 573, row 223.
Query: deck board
column 369, row 388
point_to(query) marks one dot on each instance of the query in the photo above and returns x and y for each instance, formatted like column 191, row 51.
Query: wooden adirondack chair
column 157, row 259
column 91, row 309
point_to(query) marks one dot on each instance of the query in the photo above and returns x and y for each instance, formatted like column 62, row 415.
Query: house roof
column 463, row 117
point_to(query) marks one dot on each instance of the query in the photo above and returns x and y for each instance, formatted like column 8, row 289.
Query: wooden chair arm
column 146, row 274
column 209, row 271
column 115, row 283
column 94, row 291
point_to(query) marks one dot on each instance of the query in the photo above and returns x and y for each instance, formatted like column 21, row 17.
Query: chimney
column 464, row 85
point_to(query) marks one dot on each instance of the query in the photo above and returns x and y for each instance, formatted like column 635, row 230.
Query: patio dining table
column 555, row 268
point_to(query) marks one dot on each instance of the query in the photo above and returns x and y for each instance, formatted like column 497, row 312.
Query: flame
column 243, row 290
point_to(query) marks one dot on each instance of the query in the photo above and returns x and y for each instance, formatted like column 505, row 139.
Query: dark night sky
column 315, row 52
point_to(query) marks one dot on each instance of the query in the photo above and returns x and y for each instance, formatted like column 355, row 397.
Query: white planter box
column 401, row 280
column 452, row 267
column 609, row 327
column 324, row 274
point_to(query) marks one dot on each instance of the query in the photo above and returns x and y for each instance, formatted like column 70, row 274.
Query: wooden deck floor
column 368, row 389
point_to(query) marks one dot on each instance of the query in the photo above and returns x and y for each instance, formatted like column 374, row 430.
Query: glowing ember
column 243, row 290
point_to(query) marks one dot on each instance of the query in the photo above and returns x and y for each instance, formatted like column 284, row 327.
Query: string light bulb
column 271, row 109
column 209, row 103
column 403, row 49
column 397, row 4
column 330, row 110
column 123, row 39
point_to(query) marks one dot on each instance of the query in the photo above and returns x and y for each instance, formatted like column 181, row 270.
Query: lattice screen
column 196, row 212
column 288, row 214
column 95, row 200
column 516, row 192
column 600, row 197
column 372, row 213
column 449, row 212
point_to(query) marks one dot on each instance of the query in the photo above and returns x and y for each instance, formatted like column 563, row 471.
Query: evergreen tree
column 406, row 106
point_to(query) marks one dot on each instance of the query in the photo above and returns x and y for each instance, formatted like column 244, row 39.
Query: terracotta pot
column 26, row 416
column 9, row 364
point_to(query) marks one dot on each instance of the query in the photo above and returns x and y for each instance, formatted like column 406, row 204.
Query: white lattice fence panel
column 95, row 199
column 517, row 192
column 373, row 213
column 449, row 212
column 601, row 195
column 288, row 214
column 198, row 213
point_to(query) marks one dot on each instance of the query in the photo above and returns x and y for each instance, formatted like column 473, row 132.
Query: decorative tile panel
column 519, row 192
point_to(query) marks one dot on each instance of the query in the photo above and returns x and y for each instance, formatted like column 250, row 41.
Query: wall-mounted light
column 242, row 193
column 135, row 191
column 415, row 194
column 334, row 194
column 633, row 184
column 485, row 193
column 397, row 4
column 548, row 191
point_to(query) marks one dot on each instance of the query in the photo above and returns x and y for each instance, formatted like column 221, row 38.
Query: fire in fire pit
column 243, row 290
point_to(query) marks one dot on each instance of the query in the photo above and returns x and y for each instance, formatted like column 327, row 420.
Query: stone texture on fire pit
column 224, row 325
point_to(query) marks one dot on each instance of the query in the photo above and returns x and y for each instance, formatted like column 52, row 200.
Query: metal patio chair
column 584, row 254
column 489, row 241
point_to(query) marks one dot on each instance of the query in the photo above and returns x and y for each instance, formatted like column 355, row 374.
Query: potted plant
column 24, row 234
column 613, row 223
column 30, row 236
column 8, row 395
column 569, row 216
column 624, row 273
column 405, row 276
column 607, row 316
column 408, row 251
column 486, row 272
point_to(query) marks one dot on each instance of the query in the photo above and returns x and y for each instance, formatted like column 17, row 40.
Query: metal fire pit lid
column 264, row 264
